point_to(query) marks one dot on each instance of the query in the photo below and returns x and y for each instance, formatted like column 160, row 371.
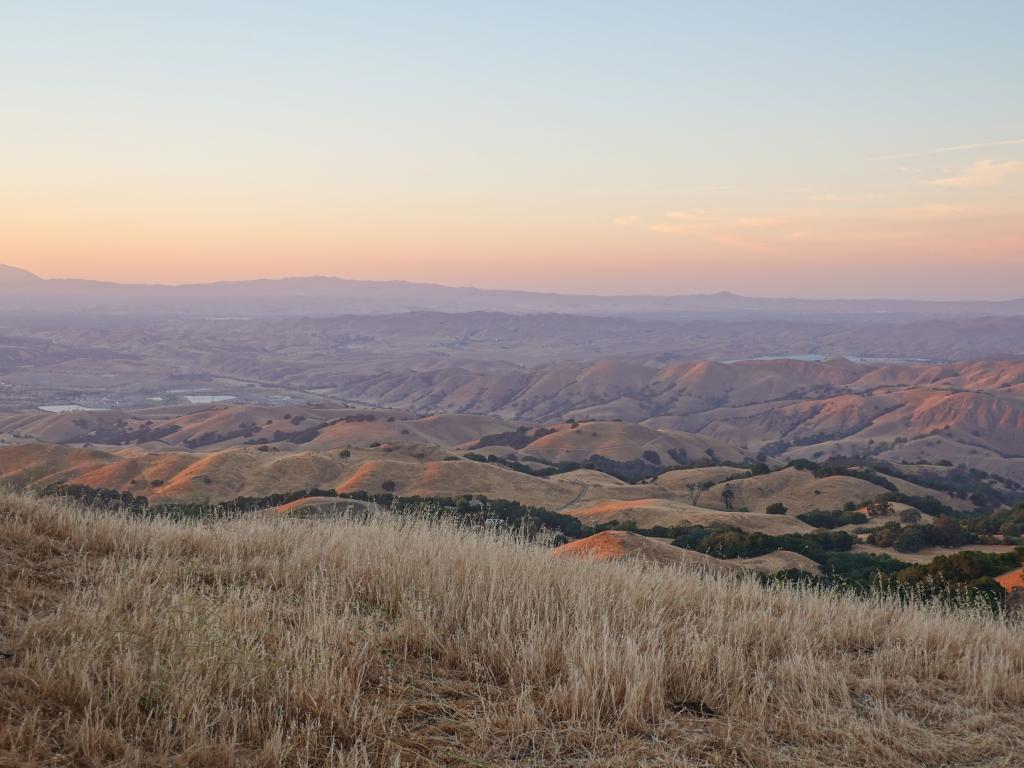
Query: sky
column 840, row 149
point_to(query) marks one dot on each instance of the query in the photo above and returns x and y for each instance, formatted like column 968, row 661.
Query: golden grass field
column 392, row 641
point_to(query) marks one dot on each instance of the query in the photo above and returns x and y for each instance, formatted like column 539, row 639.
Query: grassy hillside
column 648, row 513
column 274, row 641
column 624, row 545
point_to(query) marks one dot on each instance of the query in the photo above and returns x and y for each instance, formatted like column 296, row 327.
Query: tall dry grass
column 397, row 642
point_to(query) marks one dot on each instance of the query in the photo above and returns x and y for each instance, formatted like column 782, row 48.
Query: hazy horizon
column 847, row 151
column 464, row 286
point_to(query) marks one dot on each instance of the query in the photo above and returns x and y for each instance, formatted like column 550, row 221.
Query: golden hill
column 936, row 448
column 623, row 545
column 749, row 404
column 798, row 489
column 648, row 513
column 458, row 478
column 685, row 480
column 249, row 471
column 449, row 430
column 320, row 505
column 421, row 470
column 217, row 427
column 624, row 442
column 968, row 413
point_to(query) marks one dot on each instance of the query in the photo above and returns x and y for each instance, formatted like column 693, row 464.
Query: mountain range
column 22, row 291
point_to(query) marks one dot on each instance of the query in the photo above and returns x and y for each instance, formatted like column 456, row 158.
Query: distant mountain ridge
column 21, row 291
column 14, row 275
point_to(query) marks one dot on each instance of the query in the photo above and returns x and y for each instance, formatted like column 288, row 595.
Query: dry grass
column 394, row 642
column 648, row 513
column 798, row 489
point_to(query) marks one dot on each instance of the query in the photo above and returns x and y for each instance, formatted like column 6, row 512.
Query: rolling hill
column 668, row 512
column 248, row 471
column 622, row 545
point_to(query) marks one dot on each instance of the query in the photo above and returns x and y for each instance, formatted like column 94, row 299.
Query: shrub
column 651, row 457
column 833, row 518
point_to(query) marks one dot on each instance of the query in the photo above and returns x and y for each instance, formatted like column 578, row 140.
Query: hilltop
column 370, row 641
column 623, row 545
column 12, row 276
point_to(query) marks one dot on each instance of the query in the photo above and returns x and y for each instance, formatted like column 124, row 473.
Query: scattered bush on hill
column 727, row 542
column 518, row 439
column 948, row 577
column 471, row 510
column 678, row 455
column 832, row 518
column 944, row 532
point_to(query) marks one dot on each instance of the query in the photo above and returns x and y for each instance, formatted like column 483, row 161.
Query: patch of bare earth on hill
column 385, row 641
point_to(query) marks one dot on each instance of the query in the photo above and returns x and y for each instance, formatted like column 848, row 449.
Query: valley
column 867, row 444
column 581, row 478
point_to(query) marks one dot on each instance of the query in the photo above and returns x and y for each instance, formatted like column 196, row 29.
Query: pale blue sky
column 595, row 145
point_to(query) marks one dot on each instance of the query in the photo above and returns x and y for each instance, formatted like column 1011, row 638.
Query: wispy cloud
column 761, row 222
column 956, row 148
column 919, row 213
column 831, row 226
column 696, row 216
column 984, row 173
column 832, row 197
column 713, row 227
column 625, row 221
